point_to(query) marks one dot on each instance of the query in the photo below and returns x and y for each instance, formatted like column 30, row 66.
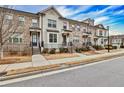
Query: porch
column 35, row 41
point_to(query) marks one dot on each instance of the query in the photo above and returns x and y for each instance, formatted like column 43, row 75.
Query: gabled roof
column 100, row 26
column 51, row 7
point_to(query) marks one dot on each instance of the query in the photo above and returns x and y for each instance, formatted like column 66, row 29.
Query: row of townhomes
column 49, row 29
column 117, row 41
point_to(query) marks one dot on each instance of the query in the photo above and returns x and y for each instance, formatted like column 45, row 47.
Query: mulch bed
column 16, row 59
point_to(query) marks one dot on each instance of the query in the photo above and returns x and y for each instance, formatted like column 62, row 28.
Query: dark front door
column 64, row 40
column 34, row 39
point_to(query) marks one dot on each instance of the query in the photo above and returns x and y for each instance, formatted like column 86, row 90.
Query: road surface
column 104, row 74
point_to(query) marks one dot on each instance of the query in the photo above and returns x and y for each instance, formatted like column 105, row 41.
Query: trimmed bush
column 63, row 50
column 114, row 47
column 52, row 51
column 84, row 49
column 45, row 50
column 78, row 50
column 121, row 46
column 98, row 47
column 110, row 47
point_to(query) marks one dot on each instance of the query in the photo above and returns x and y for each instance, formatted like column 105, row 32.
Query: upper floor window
column 78, row 27
column 64, row 25
column 84, row 30
column 34, row 23
column 72, row 27
column 8, row 19
column 52, row 23
column 21, row 20
column 100, row 33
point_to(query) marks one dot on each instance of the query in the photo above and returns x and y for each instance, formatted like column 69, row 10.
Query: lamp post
column 108, row 39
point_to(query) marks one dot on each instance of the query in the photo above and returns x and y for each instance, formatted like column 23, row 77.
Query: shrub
column 13, row 52
column 52, row 51
column 121, row 46
column 84, row 49
column 66, row 50
column 114, row 47
column 98, row 47
column 45, row 50
column 78, row 50
column 63, row 50
column 106, row 46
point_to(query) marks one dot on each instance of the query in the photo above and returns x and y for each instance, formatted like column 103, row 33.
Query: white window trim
column 48, row 38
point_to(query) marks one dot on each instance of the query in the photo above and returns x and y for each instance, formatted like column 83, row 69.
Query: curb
column 62, row 66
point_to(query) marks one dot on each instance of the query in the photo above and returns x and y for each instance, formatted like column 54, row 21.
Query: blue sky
column 109, row 15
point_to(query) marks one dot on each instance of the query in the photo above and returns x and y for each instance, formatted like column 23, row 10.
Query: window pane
column 15, row 40
column 55, row 38
column 20, row 40
column 50, row 37
column 21, row 23
column 21, row 18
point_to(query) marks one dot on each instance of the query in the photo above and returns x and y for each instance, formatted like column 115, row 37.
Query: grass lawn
column 90, row 53
column 15, row 59
column 59, row 56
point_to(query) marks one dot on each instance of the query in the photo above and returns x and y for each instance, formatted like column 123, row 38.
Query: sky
column 108, row 15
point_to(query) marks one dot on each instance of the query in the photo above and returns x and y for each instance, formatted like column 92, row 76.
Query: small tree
column 8, row 25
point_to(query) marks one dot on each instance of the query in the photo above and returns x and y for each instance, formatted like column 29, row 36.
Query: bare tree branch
column 7, row 30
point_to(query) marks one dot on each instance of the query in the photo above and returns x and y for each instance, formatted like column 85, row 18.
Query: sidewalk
column 39, row 60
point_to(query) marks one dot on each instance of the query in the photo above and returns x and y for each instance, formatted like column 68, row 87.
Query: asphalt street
column 105, row 74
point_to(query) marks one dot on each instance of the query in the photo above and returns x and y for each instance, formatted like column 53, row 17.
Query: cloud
column 70, row 11
column 101, row 19
column 121, row 12
column 115, row 33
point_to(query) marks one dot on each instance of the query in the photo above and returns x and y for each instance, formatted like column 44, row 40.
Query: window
column 76, row 39
column 16, row 38
column 84, row 30
column 52, row 38
column 34, row 23
column 51, row 23
column 100, row 33
column 64, row 25
column 21, row 21
column 78, row 27
column 72, row 27
column 8, row 19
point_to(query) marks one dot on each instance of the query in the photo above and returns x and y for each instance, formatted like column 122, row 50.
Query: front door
column 34, row 39
column 64, row 40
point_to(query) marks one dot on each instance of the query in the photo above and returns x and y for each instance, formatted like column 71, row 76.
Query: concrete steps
column 36, row 51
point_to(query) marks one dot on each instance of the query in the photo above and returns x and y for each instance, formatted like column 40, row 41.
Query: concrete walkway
column 39, row 60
